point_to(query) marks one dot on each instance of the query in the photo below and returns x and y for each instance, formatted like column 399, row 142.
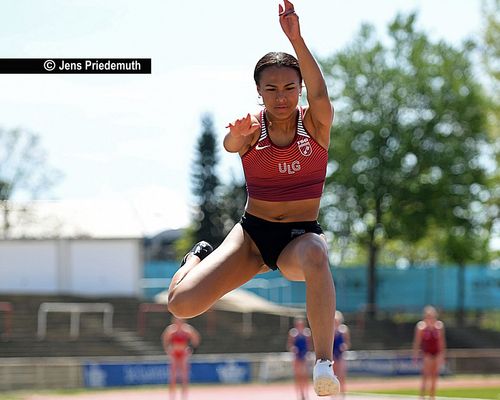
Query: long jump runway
column 274, row 391
column 250, row 392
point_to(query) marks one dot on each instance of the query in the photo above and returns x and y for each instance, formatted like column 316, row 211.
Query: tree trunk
column 461, row 295
column 5, row 224
column 371, row 304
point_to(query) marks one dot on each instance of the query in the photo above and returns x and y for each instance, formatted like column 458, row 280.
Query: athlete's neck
column 282, row 127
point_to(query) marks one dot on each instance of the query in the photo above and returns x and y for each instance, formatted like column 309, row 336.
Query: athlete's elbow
column 229, row 148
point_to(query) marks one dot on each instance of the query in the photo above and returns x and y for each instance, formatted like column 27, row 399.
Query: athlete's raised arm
column 320, row 107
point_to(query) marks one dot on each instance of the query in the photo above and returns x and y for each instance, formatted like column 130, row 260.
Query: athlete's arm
column 308, row 339
column 165, row 340
column 320, row 111
column 195, row 336
column 241, row 133
column 442, row 341
column 289, row 344
column 416, row 340
column 347, row 338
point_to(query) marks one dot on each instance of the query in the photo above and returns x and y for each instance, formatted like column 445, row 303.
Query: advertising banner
column 120, row 374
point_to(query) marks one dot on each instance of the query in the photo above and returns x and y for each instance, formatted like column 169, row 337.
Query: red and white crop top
column 293, row 172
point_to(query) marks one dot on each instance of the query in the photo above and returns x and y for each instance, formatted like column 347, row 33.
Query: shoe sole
column 325, row 386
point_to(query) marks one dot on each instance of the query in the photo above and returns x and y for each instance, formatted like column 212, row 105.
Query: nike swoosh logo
column 262, row 147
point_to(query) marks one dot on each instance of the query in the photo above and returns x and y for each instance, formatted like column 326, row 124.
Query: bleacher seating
column 221, row 331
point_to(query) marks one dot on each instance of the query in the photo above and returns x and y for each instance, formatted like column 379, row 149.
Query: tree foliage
column 232, row 203
column 206, row 186
column 406, row 143
column 490, row 52
column 23, row 168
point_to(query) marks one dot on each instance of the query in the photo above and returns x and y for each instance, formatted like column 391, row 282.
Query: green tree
column 490, row 49
column 406, row 143
column 232, row 203
column 23, row 169
column 206, row 187
column 490, row 53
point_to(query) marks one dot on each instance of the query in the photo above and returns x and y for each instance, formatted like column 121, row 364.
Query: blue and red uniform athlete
column 341, row 343
column 299, row 343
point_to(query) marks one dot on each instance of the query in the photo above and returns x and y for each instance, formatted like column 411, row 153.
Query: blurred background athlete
column 430, row 342
column 178, row 340
column 299, row 343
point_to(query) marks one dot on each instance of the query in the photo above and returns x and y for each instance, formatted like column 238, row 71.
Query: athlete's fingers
column 251, row 129
column 288, row 5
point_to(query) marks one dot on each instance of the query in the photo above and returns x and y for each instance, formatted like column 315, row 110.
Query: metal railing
column 75, row 309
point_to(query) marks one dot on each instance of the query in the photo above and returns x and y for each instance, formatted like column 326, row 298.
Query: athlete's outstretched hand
column 243, row 126
column 289, row 21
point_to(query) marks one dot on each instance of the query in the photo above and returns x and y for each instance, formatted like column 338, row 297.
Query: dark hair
column 276, row 59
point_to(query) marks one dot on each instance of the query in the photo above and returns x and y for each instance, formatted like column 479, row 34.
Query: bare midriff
column 284, row 211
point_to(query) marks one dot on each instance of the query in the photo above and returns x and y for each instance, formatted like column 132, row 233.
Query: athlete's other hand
column 289, row 21
column 243, row 126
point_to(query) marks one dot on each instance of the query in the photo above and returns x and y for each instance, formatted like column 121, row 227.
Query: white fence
column 91, row 267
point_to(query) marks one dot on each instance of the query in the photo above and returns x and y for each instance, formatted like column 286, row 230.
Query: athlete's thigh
column 427, row 364
column 229, row 266
column 289, row 261
column 434, row 366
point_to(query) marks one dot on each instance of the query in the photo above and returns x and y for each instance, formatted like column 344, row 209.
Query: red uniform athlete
column 431, row 342
column 177, row 340
column 284, row 151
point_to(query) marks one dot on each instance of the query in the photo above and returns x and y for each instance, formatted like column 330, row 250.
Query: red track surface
column 281, row 391
column 247, row 392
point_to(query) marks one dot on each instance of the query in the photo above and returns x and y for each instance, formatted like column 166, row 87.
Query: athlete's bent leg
column 197, row 285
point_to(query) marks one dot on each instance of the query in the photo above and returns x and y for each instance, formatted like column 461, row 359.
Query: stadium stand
column 222, row 332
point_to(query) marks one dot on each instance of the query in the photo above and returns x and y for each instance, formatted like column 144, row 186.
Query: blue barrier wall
column 120, row 374
column 397, row 289
column 410, row 289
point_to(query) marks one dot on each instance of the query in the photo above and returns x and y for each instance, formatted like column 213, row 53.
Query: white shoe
column 324, row 380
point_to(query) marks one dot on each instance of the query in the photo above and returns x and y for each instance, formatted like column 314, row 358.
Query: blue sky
column 129, row 139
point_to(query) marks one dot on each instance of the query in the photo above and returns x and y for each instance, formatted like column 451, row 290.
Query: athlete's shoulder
column 293, row 332
column 421, row 325
column 439, row 325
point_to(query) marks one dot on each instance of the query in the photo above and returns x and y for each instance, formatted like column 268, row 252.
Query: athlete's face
column 430, row 314
column 280, row 90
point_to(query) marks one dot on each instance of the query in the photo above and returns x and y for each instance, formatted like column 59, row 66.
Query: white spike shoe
column 324, row 380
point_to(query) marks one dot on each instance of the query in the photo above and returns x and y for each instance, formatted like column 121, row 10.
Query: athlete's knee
column 313, row 254
column 178, row 304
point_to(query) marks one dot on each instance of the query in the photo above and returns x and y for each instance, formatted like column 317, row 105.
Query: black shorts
column 272, row 237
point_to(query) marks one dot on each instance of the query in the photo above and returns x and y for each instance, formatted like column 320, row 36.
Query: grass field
column 469, row 393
